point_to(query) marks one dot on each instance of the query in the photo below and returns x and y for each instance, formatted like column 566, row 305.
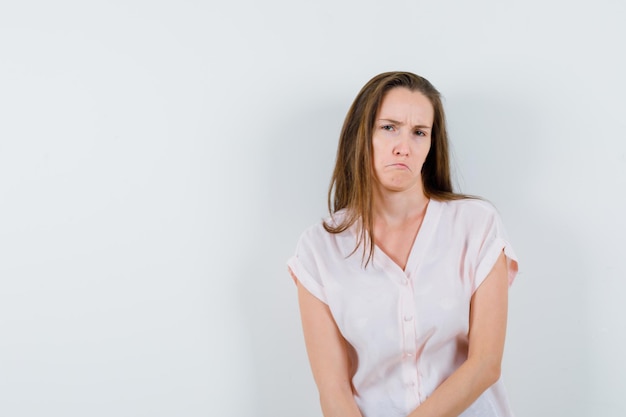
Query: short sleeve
column 493, row 240
column 303, row 265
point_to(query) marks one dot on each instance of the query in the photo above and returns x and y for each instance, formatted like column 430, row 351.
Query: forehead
column 400, row 103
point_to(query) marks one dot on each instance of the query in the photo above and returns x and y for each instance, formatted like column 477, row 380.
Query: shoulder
column 471, row 214
column 470, row 207
column 318, row 250
column 313, row 233
column 317, row 235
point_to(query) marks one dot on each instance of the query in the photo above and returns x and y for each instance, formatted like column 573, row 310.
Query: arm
column 488, row 311
column 328, row 356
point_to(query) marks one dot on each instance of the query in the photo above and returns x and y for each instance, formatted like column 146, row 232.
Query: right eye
column 388, row 128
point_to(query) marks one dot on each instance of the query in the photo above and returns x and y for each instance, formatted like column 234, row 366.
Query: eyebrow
column 395, row 122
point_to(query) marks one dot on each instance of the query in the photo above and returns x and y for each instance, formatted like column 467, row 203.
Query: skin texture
column 400, row 142
column 328, row 356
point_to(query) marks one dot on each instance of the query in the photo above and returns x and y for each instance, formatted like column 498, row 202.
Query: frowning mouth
column 399, row 165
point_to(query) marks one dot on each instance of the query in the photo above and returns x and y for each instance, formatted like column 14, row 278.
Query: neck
column 398, row 208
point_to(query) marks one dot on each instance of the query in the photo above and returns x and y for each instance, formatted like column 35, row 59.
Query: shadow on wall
column 490, row 144
column 548, row 324
column 299, row 160
column 503, row 152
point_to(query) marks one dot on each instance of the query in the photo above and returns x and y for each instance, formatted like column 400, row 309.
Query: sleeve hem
column 496, row 247
column 307, row 281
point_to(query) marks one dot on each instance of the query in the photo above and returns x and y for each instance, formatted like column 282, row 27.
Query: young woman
column 403, row 289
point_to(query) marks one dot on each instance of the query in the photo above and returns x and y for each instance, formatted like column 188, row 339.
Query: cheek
column 423, row 149
column 377, row 151
column 423, row 155
column 427, row 147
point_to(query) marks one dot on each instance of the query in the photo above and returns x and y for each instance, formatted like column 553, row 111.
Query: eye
column 388, row 128
column 420, row 133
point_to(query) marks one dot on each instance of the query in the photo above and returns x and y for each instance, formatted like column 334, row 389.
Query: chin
column 400, row 187
column 396, row 188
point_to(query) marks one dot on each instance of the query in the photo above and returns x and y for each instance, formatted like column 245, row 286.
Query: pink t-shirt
column 408, row 328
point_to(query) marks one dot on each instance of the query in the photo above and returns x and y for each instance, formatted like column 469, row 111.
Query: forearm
column 488, row 310
column 339, row 403
column 460, row 390
column 327, row 350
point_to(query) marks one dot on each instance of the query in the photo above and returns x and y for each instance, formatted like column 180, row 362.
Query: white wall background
column 159, row 159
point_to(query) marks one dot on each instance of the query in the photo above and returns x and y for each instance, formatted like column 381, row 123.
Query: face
column 401, row 140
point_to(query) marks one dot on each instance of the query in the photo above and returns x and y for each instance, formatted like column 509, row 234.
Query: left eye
column 420, row 133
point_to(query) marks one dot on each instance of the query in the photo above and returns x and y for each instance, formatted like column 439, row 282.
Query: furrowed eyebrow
column 395, row 122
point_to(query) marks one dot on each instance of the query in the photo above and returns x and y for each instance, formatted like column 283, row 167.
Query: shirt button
column 408, row 318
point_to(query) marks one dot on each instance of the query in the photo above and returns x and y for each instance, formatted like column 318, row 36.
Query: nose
column 401, row 151
column 402, row 146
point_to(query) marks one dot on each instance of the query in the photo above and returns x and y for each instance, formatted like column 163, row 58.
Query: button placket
column 407, row 325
